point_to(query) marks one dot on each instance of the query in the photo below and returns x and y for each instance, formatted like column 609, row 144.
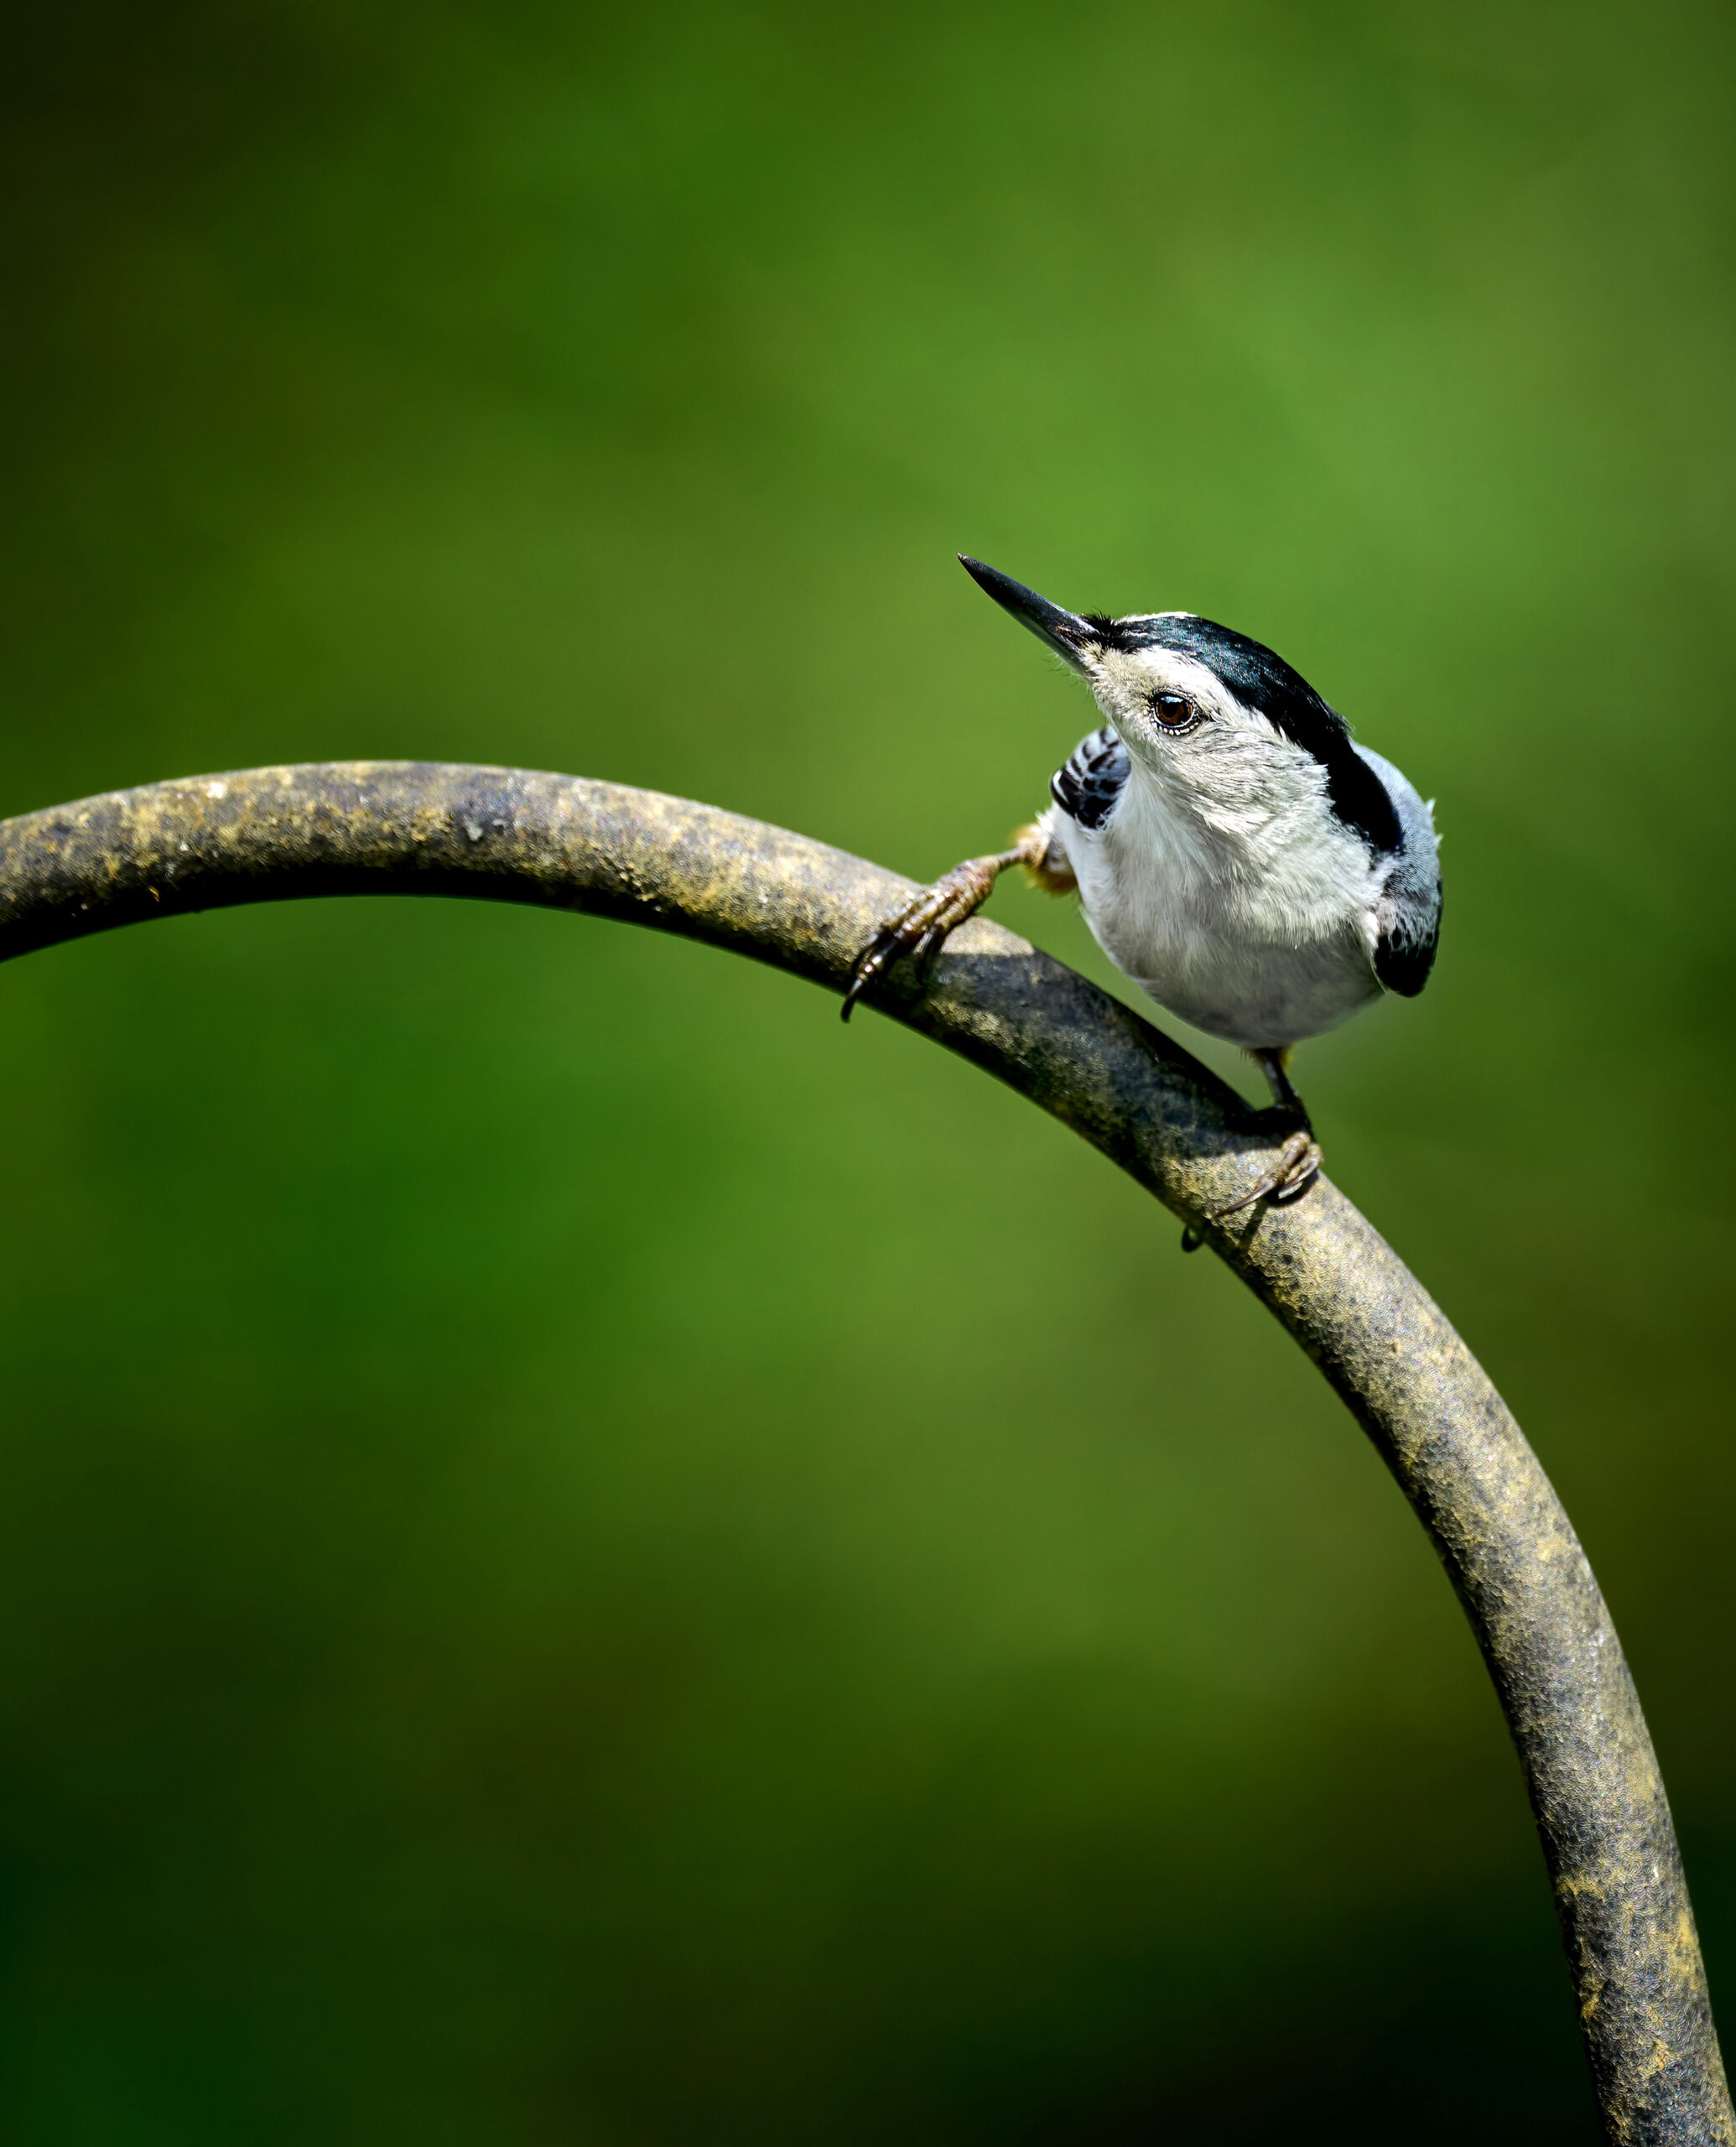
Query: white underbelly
column 1256, row 981
column 1259, row 997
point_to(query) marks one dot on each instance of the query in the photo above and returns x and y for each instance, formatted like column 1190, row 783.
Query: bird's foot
column 922, row 926
column 1298, row 1163
column 1297, row 1167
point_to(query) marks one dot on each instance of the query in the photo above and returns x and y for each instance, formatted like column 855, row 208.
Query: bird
column 1236, row 852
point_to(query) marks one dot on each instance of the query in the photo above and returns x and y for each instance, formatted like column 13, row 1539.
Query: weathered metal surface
column 400, row 827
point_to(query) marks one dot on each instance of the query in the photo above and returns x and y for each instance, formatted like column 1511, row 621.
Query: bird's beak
column 1069, row 636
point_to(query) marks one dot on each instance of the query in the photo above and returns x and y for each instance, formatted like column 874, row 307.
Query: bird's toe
column 1297, row 1166
column 922, row 925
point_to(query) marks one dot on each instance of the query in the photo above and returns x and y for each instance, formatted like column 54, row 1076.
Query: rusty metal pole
column 508, row 835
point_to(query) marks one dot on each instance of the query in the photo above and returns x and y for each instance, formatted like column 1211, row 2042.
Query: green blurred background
column 587, row 1556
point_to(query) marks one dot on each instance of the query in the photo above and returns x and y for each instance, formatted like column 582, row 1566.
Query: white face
column 1184, row 726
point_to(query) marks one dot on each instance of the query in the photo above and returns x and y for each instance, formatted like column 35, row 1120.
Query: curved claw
column 867, row 965
column 922, row 925
column 1297, row 1167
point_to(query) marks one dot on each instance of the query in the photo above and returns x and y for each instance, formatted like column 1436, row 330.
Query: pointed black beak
column 1068, row 636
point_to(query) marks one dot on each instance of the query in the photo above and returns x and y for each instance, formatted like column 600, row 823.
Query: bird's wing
column 1095, row 775
column 1404, row 953
column 1407, row 918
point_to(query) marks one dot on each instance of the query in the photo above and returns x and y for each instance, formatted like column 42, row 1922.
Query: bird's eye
column 1173, row 712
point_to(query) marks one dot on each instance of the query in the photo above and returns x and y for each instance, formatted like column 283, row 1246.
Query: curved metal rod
column 412, row 827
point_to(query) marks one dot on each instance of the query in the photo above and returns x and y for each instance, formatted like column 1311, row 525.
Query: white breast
column 1256, row 924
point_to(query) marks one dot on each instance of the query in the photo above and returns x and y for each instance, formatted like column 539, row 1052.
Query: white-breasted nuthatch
column 1236, row 852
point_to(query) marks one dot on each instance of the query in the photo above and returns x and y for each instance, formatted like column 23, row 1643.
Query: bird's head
column 1216, row 716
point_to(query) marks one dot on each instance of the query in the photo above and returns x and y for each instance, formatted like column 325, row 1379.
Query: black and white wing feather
column 1090, row 785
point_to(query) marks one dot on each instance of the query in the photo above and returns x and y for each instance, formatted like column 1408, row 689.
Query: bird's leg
column 1299, row 1159
column 922, row 926
column 1275, row 1066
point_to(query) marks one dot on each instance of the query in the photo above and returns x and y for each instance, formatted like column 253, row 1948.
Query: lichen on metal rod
column 510, row 835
